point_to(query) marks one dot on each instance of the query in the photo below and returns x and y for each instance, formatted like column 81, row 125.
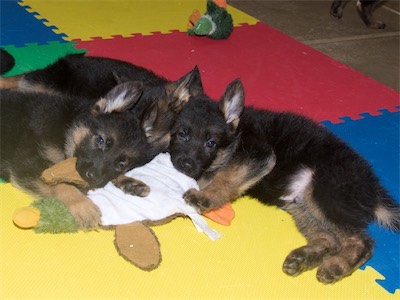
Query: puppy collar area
column 167, row 185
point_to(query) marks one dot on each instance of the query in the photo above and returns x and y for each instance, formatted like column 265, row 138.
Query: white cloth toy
column 167, row 185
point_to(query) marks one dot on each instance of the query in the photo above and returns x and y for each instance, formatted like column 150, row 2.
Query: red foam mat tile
column 277, row 71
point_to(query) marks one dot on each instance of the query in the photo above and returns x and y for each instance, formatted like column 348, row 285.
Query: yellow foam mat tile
column 87, row 19
column 244, row 264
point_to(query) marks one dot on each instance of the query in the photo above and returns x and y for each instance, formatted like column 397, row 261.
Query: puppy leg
column 11, row 82
column 356, row 249
column 131, row 186
column 336, row 252
column 365, row 9
column 86, row 213
column 337, row 8
column 320, row 241
column 229, row 183
column 310, row 256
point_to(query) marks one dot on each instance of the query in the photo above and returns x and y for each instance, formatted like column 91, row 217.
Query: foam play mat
column 246, row 262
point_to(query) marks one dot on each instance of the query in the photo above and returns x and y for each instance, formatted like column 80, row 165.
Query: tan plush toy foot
column 138, row 244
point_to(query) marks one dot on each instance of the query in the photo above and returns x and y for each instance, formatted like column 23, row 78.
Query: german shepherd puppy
column 365, row 9
column 288, row 160
column 38, row 130
column 93, row 77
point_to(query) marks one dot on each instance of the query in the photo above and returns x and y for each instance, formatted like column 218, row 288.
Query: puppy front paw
column 197, row 199
column 86, row 214
column 132, row 186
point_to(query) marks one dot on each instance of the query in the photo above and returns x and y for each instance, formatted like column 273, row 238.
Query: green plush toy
column 215, row 23
column 46, row 216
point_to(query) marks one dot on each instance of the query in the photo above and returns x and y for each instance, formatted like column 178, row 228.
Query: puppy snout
column 90, row 174
column 186, row 165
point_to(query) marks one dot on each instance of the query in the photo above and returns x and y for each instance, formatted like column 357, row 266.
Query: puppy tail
column 7, row 61
column 387, row 213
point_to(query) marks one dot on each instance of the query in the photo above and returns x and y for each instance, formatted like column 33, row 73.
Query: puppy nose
column 186, row 165
column 90, row 174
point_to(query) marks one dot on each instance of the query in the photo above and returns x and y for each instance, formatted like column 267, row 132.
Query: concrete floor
column 370, row 51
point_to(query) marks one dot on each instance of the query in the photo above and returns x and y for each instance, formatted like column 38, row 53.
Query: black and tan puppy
column 289, row 160
column 38, row 130
column 365, row 9
column 93, row 77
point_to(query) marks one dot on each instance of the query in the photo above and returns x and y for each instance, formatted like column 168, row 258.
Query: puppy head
column 204, row 136
column 161, row 105
column 110, row 139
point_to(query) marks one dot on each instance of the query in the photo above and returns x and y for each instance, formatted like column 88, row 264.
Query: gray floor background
column 370, row 51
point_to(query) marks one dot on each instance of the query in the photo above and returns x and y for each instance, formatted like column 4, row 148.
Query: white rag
column 167, row 185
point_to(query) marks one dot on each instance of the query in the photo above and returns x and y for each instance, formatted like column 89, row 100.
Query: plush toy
column 215, row 23
column 129, row 215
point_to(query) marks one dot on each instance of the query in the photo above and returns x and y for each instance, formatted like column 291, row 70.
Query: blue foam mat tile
column 377, row 139
column 19, row 27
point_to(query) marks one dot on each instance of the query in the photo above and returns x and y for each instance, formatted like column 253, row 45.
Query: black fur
column 328, row 188
column 92, row 77
column 7, row 61
column 365, row 9
column 89, row 76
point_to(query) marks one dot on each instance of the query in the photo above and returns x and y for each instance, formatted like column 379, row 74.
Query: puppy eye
column 211, row 143
column 183, row 135
column 103, row 143
column 100, row 140
column 120, row 165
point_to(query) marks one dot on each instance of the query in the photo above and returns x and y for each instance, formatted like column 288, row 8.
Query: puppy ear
column 118, row 78
column 195, row 84
column 232, row 102
column 187, row 86
column 156, row 123
column 149, row 120
column 121, row 98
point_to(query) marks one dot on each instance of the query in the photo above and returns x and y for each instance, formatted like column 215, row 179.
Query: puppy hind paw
column 331, row 274
column 335, row 268
column 300, row 260
column 294, row 265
